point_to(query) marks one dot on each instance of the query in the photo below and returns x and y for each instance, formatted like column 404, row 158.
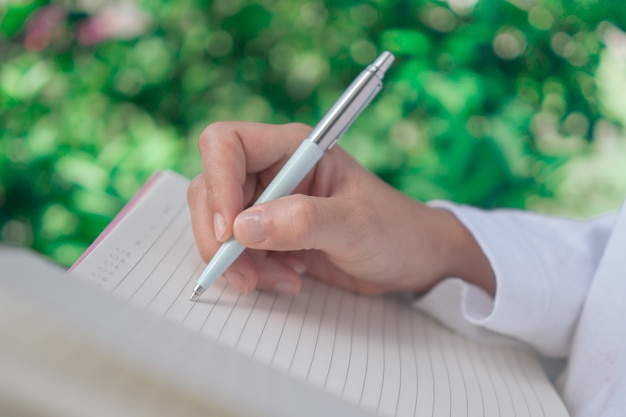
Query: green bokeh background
column 491, row 103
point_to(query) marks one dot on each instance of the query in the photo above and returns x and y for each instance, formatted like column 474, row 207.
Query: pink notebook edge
column 119, row 216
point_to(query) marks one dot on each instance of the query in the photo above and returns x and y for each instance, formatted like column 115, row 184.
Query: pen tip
column 198, row 289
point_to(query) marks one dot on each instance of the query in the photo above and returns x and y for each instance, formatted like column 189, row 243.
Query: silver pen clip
column 352, row 102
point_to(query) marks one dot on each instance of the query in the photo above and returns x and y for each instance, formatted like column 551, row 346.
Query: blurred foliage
column 490, row 103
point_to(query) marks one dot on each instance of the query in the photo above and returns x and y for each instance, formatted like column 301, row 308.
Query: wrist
column 461, row 255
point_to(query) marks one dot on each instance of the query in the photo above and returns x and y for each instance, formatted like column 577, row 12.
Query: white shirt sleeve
column 543, row 266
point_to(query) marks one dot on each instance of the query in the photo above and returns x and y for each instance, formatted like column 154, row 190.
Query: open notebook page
column 375, row 352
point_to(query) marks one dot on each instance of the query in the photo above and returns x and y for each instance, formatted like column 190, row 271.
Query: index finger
column 231, row 152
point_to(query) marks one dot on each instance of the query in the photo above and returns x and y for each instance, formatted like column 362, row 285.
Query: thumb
column 299, row 222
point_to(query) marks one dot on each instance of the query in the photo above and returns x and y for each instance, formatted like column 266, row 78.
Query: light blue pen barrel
column 297, row 167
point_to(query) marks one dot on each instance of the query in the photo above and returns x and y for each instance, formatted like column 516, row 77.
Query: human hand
column 342, row 225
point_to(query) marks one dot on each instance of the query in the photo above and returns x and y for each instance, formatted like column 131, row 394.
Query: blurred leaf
column 406, row 42
column 15, row 16
column 511, row 104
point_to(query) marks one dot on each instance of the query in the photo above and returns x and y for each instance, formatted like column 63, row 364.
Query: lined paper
column 378, row 352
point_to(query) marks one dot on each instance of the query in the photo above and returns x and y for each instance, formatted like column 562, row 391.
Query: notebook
column 354, row 354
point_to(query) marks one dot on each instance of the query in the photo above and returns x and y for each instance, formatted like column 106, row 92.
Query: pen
column 327, row 132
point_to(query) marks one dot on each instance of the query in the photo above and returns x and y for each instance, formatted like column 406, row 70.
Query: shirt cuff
column 539, row 289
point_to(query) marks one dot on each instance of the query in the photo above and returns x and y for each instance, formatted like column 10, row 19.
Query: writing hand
column 342, row 225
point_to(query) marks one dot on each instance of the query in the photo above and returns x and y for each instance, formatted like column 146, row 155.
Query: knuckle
column 196, row 187
column 361, row 221
column 304, row 217
column 300, row 130
column 213, row 132
column 299, row 126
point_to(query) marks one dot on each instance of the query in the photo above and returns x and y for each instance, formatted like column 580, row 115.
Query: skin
column 342, row 225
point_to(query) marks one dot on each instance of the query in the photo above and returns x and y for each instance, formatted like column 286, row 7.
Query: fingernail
column 297, row 265
column 237, row 280
column 250, row 227
column 219, row 226
column 286, row 287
